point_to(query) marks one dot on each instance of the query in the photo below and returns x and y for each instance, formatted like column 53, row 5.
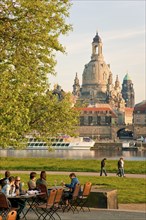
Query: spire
column 110, row 79
column 76, row 86
column 76, row 80
column 117, row 82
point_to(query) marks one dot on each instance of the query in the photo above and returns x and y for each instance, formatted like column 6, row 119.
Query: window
column 98, row 120
column 108, row 119
column 90, row 120
column 81, row 120
column 137, row 120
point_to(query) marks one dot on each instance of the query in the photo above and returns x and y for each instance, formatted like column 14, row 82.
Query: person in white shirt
column 5, row 180
column 122, row 167
column 9, row 188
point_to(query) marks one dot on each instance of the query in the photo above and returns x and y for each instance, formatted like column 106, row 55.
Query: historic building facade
column 97, row 82
column 139, row 114
column 98, row 89
column 139, row 119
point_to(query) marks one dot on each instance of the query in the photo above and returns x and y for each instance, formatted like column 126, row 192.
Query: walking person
column 103, row 169
column 121, row 167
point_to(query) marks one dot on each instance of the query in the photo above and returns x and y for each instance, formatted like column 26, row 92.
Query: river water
column 76, row 154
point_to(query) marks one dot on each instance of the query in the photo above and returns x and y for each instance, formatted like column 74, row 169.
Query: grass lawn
column 130, row 190
column 49, row 164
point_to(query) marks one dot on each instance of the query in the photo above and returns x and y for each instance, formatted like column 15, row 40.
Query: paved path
column 99, row 214
column 77, row 173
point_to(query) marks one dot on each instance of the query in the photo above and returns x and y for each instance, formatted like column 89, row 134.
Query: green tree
column 29, row 40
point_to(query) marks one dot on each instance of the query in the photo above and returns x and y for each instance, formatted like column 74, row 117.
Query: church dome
column 127, row 77
column 96, row 72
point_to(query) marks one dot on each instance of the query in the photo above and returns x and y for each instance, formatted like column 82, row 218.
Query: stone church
column 97, row 83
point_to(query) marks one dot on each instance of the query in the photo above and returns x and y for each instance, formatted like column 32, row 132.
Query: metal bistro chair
column 5, row 205
column 57, row 203
column 82, row 200
column 11, row 215
column 44, row 210
column 73, row 201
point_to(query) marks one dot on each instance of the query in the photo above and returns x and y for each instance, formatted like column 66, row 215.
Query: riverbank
column 116, row 145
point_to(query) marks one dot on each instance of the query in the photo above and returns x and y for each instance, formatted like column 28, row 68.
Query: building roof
column 127, row 77
column 140, row 107
column 99, row 108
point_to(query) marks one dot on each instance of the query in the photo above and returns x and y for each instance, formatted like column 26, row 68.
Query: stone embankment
column 115, row 145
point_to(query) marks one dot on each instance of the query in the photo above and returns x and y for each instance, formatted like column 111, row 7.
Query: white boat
column 61, row 142
column 129, row 146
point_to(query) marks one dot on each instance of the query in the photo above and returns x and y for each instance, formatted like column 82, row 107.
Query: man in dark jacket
column 103, row 169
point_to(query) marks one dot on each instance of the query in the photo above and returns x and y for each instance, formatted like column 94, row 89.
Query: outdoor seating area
column 43, row 202
column 42, row 209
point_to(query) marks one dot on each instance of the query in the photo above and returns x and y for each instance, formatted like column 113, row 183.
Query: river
column 76, row 154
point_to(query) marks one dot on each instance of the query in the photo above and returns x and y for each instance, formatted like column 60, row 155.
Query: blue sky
column 121, row 26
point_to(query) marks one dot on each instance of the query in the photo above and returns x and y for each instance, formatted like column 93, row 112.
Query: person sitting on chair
column 68, row 195
column 32, row 181
column 5, row 180
column 42, row 179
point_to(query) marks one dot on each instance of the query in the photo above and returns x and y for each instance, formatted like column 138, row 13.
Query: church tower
column 76, row 86
column 95, row 75
column 128, row 91
column 97, row 82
